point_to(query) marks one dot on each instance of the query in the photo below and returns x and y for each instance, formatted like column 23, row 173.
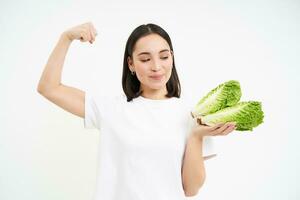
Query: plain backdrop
column 45, row 152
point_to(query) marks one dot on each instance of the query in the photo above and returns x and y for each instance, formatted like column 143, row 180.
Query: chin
column 157, row 86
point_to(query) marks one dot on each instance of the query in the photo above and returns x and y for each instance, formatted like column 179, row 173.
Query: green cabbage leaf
column 224, row 95
column 246, row 115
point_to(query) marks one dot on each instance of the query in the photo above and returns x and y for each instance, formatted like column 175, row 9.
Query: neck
column 155, row 94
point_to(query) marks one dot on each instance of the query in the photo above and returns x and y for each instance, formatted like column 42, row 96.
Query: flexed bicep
column 69, row 98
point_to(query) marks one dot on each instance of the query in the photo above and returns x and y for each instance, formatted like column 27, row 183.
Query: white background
column 45, row 153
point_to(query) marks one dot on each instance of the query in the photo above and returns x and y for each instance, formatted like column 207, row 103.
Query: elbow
column 39, row 90
column 190, row 193
column 193, row 190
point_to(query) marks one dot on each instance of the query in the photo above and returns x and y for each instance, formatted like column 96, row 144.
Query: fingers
column 87, row 32
column 92, row 37
column 84, row 36
column 218, row 129
column 215, row 127
column 93, row 34
column 228, row 130
column 225, row 129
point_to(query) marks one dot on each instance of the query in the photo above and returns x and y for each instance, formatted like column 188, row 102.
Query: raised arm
column 69, row 98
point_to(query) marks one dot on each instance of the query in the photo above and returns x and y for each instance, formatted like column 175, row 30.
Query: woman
column 147, row 150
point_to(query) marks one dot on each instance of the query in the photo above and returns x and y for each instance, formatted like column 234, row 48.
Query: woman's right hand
column 83, row 32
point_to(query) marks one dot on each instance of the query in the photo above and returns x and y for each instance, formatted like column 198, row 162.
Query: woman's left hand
column 201, row 130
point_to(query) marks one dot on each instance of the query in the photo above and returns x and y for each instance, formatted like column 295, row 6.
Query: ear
column 172, row 53
column 129, row 61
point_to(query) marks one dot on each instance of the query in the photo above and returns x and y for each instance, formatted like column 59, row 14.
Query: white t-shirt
column 141, row 146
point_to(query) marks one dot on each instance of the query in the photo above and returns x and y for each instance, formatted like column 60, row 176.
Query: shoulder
column 104, row 99
column 188, row 100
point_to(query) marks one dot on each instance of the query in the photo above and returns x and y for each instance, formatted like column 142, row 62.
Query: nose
column 155, row 66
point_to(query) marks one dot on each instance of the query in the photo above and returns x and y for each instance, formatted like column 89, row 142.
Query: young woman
column 148, row 149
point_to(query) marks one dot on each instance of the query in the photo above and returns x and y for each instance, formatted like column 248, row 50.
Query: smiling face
column 152, row 61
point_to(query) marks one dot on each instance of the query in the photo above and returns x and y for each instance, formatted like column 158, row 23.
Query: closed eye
column 164, row 58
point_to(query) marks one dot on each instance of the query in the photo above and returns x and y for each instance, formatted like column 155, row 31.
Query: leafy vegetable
column 247, row 115
column 224, row 95
column 221, row 105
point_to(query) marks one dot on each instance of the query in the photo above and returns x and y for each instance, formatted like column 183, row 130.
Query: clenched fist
column 83, row 32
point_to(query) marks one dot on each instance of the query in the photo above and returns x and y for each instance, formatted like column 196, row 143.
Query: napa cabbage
column 247, row 115
column 222, row 105
column 224, row 95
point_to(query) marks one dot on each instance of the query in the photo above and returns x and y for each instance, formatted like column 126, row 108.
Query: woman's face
column 152, row 62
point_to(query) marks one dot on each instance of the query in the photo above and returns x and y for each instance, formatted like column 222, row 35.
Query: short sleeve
column 208, row 147
column 92, row 116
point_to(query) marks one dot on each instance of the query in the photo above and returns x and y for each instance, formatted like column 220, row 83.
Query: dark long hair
column 130, row 83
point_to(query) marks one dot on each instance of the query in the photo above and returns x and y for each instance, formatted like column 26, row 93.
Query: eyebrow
column 149, row 53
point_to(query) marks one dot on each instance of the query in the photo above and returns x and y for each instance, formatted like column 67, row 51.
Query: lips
column 157, row 77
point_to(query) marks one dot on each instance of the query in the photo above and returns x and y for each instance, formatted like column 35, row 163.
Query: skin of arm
column 193, row 170
column 51, row 77
column 69, row 98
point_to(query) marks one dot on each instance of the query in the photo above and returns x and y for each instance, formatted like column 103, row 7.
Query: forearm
column 51, row 76
column 193, row 170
